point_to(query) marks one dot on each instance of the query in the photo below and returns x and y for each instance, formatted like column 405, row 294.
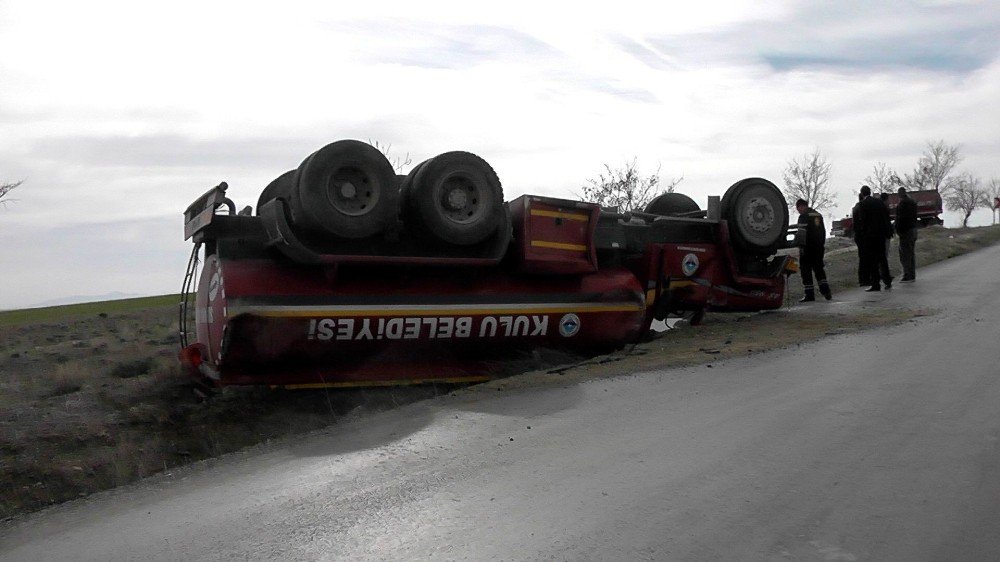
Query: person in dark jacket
column 872, row 227
column 811, row 239
column 864, row 278
column 883, row 266
column 906, row 228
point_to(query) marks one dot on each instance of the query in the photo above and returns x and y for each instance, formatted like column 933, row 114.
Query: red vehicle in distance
column 929, row 210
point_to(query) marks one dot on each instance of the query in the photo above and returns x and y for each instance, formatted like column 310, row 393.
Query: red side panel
column 554, row 235
column 692, row 270
column 272, row 323
column 705, row 276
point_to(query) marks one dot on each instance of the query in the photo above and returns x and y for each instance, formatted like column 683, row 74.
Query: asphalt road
column 874, row 446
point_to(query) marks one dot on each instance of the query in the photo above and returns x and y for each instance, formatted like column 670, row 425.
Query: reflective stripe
column 432, row 310
column 560, row 215
column 559, row 246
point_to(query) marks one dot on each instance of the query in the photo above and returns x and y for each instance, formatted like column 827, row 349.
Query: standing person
column 883, row 266
column 906, row 228
column 811, row 239
column 872, row 226
column 864, row 278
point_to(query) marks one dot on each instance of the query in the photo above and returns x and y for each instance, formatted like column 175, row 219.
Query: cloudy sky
column 118, row 114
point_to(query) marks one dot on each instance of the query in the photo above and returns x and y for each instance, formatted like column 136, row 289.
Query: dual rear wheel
column 348, row 190
column 455, row 198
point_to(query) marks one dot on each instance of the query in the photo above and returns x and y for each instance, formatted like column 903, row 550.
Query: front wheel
column 757, row 214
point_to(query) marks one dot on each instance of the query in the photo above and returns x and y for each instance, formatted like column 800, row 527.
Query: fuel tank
column 261, row 321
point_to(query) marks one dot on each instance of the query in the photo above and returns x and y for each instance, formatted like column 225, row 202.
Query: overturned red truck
column 348, row 274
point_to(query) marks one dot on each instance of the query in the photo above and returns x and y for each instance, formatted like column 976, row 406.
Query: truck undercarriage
column 351, row 275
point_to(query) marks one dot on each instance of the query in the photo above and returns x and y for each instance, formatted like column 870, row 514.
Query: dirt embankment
column 95, row 399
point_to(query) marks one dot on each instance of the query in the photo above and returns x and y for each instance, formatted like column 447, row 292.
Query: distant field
column 73, row 311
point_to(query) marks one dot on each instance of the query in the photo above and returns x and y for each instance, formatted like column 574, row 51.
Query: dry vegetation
column 98, row 401
column 91, row 396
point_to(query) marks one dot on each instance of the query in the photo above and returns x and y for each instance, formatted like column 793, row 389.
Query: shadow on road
column 367, row 432
column 522, row 402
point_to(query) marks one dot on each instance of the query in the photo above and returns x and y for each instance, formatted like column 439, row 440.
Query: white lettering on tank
column 412, row 329
column 445, row 327
column 506, row 322
column 488, row 324
column 394, row 329
column 365, row 333
column 431, row 324
column 541, row 325
column 345, row 329
column 324, row 329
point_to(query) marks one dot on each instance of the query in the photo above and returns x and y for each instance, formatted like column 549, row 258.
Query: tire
column 280, row 187
column 406, row 184
column 347, row 189
column 405, row 187
column 455, row 198
column 671, row 204
column 757, row 214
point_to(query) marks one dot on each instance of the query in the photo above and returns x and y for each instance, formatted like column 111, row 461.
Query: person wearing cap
column 864, row 278
column 906, row 228
column 811, row 240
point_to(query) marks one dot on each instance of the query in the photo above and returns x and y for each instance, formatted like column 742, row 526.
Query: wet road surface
column 874, row 446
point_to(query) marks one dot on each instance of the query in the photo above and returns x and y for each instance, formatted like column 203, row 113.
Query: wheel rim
column 461, row 199
column 352, row 192
column 758, row 217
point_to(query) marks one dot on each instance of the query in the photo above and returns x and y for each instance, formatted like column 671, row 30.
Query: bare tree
column 809, row 179
column 399, row 163
column 965, row 193
column 5, row 189
column 937, row 161
column 992, row 196
column 883, row 179
column 625, row 187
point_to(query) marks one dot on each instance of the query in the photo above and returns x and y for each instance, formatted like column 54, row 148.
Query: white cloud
column 40, row 263
column 116, row 112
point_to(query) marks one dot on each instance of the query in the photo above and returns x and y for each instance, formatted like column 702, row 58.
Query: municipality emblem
column 689, row 264
column 569, row 325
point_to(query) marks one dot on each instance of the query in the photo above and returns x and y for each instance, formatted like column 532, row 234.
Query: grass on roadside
column 75, row 311
column 93, row 402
